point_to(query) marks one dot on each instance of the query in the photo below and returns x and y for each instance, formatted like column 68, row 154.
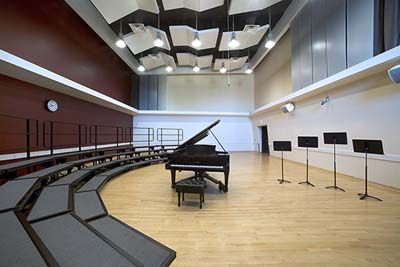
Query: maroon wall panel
column 50, row 34
column 25, row 100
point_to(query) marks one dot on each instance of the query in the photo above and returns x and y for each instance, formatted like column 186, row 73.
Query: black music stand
column 282, row 146
column 335, row 138
column 367, row 147
column 307, row 142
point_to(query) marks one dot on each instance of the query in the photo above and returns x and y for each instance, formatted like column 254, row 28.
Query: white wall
column 234, row 132
column 206, row 93
column 367, row 109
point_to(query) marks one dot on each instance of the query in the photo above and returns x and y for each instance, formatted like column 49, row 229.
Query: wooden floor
column 259, row 222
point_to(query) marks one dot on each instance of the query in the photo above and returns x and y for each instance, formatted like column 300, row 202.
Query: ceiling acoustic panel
column 230, row 64
column 246, row 38
column 243, row 6
column 153, row 61
column 140, row 41
column 114, row 10
column 196, row 5
column 188, row 59
column 184, row 35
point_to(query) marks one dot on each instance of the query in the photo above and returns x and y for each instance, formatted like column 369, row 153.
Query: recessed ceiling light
column 158, row 41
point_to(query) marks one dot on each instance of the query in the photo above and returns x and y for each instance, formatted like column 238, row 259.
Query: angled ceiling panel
column 114, row 10
column 139, row 41
column 230, row 64
column 246, row 38
column 184, row 35
column 188, row 59
column 153, row 61
column 196, row 5
column 243, row 6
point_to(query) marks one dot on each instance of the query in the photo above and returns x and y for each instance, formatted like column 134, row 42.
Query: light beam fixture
column 168, row 68
column 196, row 43
column 158, row 41
column 141, row 68
column 233, row 43
column 248, row 69
column 270, row 39
column 196, row 67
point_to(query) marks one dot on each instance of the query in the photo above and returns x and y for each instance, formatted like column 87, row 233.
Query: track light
column 223, row 69
column 289, row 107
column 196, row 68
column 196, row 41
column 141, row 68
column 233, row 43
column 158, row 41
column 169, row 68
column 248, row 69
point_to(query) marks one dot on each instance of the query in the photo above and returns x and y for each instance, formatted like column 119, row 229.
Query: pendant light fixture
column 270, row 39
column 158, row 41
column 233, row 43
column 141, row 68
column 196, row 43
column 223, row 69
column 196, row 67
column 120, row 42
column 169, row 68
column 247, row 66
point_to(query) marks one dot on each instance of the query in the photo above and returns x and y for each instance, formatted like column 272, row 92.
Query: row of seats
column 55, row 217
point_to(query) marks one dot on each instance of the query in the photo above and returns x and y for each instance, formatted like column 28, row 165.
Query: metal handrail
column 168, row 132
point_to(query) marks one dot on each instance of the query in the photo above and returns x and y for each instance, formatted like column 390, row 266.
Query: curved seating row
column 55, row 219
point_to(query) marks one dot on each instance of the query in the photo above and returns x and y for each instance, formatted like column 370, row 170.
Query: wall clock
column 52, row 105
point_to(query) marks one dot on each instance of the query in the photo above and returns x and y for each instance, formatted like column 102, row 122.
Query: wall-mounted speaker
column 289, row 107
column 394, row 74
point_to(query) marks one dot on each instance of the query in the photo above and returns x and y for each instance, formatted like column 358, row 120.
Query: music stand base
column 281, row 181
column 364, row 196
column 307, row 183
column 335, row 187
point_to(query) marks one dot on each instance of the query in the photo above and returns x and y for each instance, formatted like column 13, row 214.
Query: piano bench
column 192, row 186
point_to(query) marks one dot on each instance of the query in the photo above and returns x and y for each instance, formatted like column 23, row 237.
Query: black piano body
column 200, row 159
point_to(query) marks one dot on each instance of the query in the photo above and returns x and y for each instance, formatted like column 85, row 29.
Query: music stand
column 367, row 147
column 307, row 142
column 335, row 138
column 282, row 146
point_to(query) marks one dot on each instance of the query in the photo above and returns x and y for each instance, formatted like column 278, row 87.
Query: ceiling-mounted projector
column 289, row 107
column 394, row 74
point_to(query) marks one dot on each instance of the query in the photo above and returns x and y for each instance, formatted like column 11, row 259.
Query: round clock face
column 52, row 105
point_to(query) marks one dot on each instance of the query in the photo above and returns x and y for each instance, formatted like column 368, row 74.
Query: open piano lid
column 198, row 137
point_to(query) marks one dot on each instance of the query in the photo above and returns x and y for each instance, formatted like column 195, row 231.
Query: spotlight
column 223, row 69
column 196, row 68
column 248, row 69
column 120, row 42
column 270, row 42
column 169, row 68
column 141, row 68
column 289, row 107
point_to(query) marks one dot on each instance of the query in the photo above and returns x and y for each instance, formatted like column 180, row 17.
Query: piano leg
column 173, row 177
column 226, row 174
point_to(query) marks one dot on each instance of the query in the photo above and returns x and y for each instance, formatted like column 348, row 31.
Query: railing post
column 51, row 138
column 161, row 136
column 148, row 138
column 117, row 135
column 95, row 137
column 28, row 139
column 130, row 136
column 79, row 136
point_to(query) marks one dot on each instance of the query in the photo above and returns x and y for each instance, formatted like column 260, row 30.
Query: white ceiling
column 243, row 6
column 113, row 10
column 246, row 39
column 196, row 5
column 184, row 35
column 230, row 64
column 188, row 59
column 153, row 61
column 142, row 41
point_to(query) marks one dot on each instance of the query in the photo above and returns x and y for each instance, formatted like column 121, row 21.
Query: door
column 264, row 140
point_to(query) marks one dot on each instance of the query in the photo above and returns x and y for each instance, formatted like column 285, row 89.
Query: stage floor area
column 260, row 222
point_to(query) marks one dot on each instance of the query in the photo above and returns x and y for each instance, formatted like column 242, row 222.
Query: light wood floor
column 259, row 222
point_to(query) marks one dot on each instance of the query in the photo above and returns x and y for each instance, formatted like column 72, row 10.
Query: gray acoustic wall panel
column 360, row 31
column 295, row 33
column 336, row 36
column 305, row 46
column 319, row 56
column 144, row 92
column 153, row 92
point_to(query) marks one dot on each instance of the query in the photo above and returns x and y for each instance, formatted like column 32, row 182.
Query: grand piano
column 200, row 159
